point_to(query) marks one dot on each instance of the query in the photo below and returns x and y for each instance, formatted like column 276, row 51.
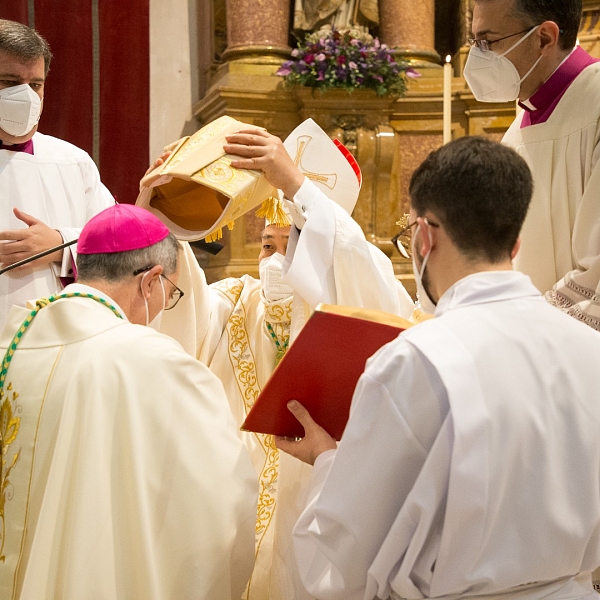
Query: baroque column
column 410, row 28
column 257, row 31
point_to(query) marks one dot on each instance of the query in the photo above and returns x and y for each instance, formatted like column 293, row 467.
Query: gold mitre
column 196, row 192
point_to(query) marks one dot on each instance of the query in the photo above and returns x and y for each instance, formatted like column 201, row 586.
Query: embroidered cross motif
column 329, row 179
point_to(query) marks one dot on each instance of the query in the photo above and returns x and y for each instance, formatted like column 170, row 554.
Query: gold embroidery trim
column 230, row 288
column 244, row 367
column 10, row 423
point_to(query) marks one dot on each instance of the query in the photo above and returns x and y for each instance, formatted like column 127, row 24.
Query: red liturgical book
column 321, row 369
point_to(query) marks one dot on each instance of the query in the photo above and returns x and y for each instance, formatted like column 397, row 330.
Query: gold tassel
column 272, row 210
column 214, row 236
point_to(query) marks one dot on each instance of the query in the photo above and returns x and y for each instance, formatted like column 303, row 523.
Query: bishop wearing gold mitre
column 240, row 327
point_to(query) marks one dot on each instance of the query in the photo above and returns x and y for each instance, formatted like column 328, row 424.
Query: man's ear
column 548, row 34
column 515, row 249
column 150, row 279
column 427, row 236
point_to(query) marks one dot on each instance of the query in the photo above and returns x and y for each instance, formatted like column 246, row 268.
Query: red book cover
column 321, row 370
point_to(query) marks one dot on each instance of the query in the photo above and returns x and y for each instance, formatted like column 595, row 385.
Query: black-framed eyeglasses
column 402, row 240
column 176, row 294
column 484, row 45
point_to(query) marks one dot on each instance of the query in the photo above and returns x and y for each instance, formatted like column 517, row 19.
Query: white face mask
column 155, row 323
column 427, row 305
column 270, row 270
column 20, row 109
column 492, row 77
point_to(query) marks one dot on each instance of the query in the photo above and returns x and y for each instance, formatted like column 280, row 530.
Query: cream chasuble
column 60, row 185
column 122, row 472
column 225, row 326
column 560, row 248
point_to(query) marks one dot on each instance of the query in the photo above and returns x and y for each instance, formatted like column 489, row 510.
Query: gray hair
column 117, row 266
column 24, row 43
column 565, row 13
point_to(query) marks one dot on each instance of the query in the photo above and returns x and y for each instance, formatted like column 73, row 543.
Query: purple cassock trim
column 550, row 93
column 26, row 147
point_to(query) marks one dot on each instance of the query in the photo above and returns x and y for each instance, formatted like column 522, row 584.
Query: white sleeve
column 330, row 261
column 350, row 509
column 97, row 198
column 578, row 292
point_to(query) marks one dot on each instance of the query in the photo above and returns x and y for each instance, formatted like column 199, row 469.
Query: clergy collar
column 541, row 105
column 26, row 147
column 484, row 287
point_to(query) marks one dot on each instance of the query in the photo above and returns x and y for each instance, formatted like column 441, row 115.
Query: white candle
column 447, row 100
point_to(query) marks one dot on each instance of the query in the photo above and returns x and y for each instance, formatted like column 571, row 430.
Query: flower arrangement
column 350, row 59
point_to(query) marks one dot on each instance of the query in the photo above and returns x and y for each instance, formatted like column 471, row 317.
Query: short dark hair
column 479, row 191
column 117, row 266
column 24, row 43
column 565, row 13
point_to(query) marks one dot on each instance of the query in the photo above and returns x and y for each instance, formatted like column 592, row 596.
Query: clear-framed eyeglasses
column 174, row 296
column 403, row 240
column 484, row 45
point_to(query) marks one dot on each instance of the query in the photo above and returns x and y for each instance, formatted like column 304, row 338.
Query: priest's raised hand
column 261, row 150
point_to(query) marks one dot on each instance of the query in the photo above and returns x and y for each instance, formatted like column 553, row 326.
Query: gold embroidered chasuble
column 225, row 326
column 227, row 322
column 105, row 491
column 255, row 338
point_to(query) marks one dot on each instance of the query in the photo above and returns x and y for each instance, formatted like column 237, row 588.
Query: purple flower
column 285, row 69
column 338, row 60
column 410, row 72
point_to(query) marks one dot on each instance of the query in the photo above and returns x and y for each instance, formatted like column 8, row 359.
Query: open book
column 321, row 369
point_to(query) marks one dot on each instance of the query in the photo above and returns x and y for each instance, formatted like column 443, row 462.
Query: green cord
column 281, row 350
column 41, row 303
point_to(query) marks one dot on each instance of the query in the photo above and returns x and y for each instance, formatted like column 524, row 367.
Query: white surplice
column 129, row 479
column 59, row 185
column 560, row 248
column 470, row 464
column 225, row 326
